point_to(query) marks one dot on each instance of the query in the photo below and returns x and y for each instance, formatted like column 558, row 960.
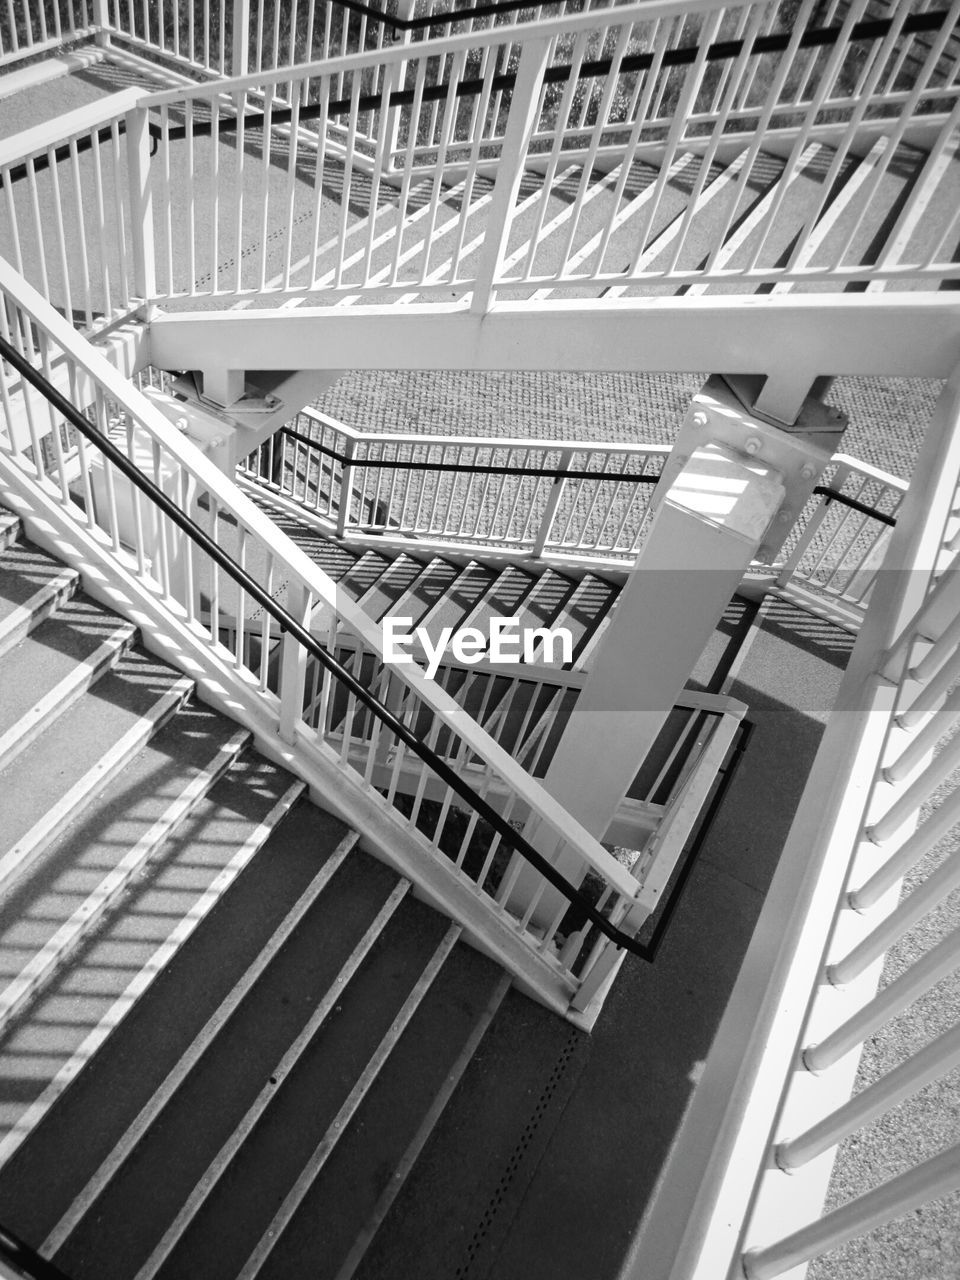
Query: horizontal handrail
column 834, row 495
column 29, row 1264
column 535, row 496
column 719, row 51
column 287, row 623
column 463, row 468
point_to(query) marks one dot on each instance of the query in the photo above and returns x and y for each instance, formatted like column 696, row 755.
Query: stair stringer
column 107, row 578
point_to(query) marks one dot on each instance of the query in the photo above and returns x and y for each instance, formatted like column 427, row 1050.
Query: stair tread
column 51, row 653
column 9, row 528
column 582, row 612
column 457, row 598
column 391, row 586
column 502, row 1114
column 83, row 1123
column 31, row 584
column 364, row 1162
column 125, row 819
column 546, row 600
column 24, row 569
column 121, row 703
column 239, row 1064
column 508, row 591
column 364, row 574
column 423, row 593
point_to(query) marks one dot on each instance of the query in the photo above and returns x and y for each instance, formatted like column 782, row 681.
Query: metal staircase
column 765, row 189
column 209, row 964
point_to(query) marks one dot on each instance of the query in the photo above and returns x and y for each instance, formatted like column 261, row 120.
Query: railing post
column 293, row 668
column 792, row 562
column 141, row 204
column 346, row 489
column 524, row 106
column 101, row 20
column 553, row 501
column 240, row 36
column 395, row 77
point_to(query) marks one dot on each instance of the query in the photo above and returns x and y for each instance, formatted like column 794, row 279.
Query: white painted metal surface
column 291, row 689
column 808, row 996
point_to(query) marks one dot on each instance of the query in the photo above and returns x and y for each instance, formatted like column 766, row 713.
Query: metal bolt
column 700, row 419
column 807, row 472
column 753, row 445
column 785, row 516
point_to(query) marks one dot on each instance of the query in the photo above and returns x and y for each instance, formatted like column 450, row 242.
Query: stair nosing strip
column 64, row 694
column 224, row 1157
column 425, row 1130
column 34, row 1113
column 138, row 1127
column 39, row 836
column 21, row 620
column 44, row 964
column 301, row 1187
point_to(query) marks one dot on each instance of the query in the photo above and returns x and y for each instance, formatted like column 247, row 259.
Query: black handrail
column 483, row 468
column 28, row 1263
column 719, row 51
column 834, row 495
column 288, row 623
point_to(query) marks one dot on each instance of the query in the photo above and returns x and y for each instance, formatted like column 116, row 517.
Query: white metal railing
column 642, row 95
column 679, row 106
column 31, row 27
column 302, row 700
column 835, row 551
column 593, row 508
column 75, row 210
column 530, row 496
column 881, row 804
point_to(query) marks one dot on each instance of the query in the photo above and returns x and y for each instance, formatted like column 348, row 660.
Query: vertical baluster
column 38, row 226
column 138, row 501
column 239, row 657
column 84, row 260
column 101, row 220
column 214, row 569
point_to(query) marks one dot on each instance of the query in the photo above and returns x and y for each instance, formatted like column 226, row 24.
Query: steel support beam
column 790, row 340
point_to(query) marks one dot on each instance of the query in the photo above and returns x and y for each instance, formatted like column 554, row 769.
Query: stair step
column 581, row 615
column 391, row 586
column 364, row 574
column 154, row 1106
column 335, row 560
column 420, row 1138
column 425, row 591
column 347, row 1114
column 47, row 784
column 86, row 877
column 458, row 598
column 54, row 665
column 483, row 1152
column 547, row 600
column 9, row 528
column 299, row 1025
column 77, row 1034
column 504, row 598
column 32, row 585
